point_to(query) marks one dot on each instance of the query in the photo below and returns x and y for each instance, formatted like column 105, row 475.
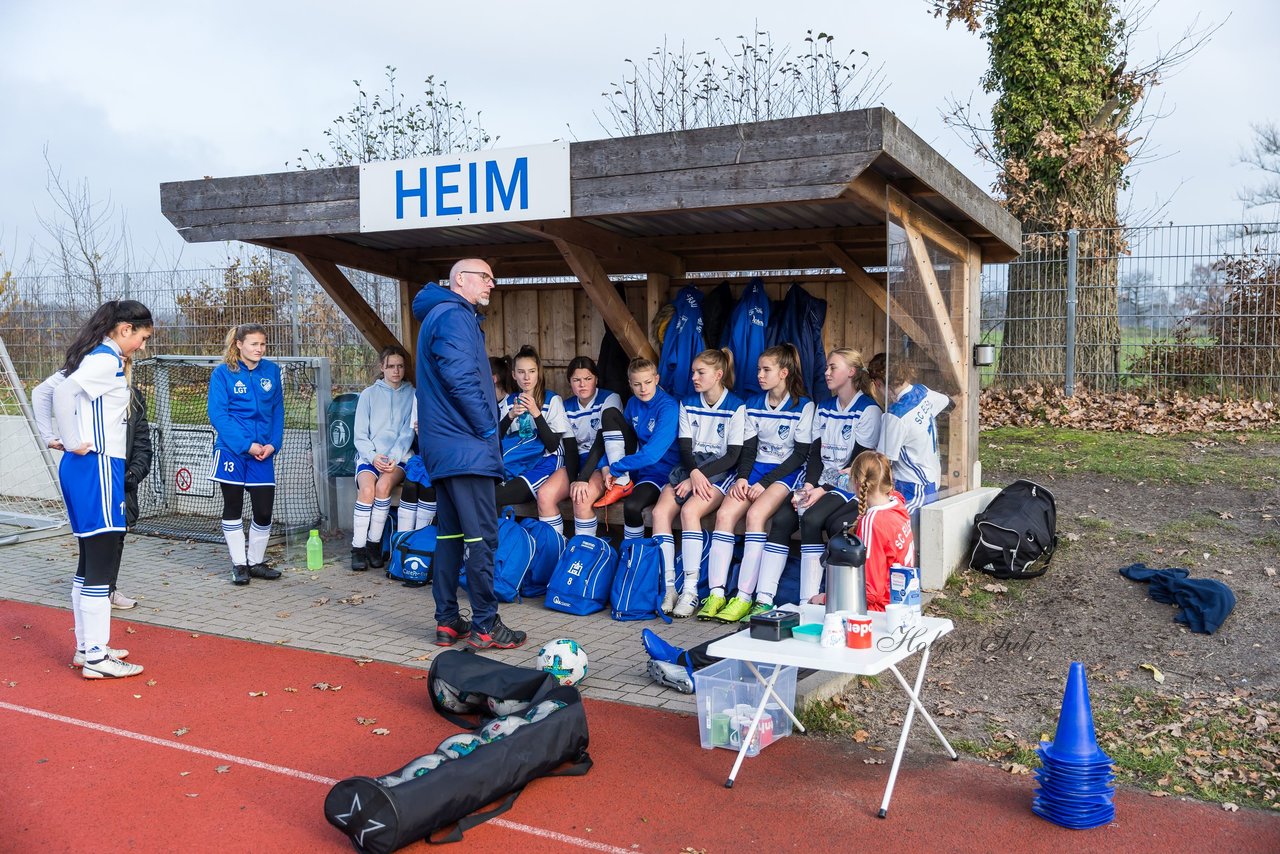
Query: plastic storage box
column 728, row 694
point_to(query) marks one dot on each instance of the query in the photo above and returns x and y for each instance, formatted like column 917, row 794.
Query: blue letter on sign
column 420, row 192
column 443, row 189
column 493, row 181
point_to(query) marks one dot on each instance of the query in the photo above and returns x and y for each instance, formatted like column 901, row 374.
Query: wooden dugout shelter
column 853, row 206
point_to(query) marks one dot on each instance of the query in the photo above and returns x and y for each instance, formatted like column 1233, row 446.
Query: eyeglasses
column 488, row 279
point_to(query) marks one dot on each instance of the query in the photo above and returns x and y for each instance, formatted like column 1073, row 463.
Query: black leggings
column 816, row 521
column 514, row 491
column 644, row 495
column 99, row 561
column 412, row 492
column 261, row 499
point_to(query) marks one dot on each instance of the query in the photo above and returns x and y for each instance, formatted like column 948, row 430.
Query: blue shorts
column 536, row 475
column 657, row 474
column 759, row 470
column 242, row 469
column 917, row 494
column 363, row 467
column 93, row 489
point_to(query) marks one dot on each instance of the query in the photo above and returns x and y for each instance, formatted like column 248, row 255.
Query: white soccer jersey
column 713, row 428
column 102, row 404
column 584, row 421
column 777, row 429
column 840, row 429
column 909, row 437
column 552, row 411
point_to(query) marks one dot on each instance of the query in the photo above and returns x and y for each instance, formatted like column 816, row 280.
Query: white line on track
column 291, row 772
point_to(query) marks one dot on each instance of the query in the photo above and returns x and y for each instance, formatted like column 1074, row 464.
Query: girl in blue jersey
column 533, row 427
column 652, row 420
column 909, row 437
column 777, row 436
column 383, row 437
column 246, row 408
column 711, row 429
column 844, row 425
column 595, row 419
column 90, row 408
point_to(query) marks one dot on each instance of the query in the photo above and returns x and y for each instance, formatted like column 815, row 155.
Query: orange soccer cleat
column 615, row 493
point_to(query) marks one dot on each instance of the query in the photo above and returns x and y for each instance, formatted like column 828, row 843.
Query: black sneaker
column 498, row 637
column 451, row 631
column 239, row 574
column 374, row 555
column 358, row 562
column 262, row 570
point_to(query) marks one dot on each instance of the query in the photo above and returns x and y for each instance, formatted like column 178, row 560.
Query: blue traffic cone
column 1075, row 741
column 1075, row 781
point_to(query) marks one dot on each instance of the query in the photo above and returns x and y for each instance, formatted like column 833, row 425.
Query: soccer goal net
column 30, row 499
column 177, row 499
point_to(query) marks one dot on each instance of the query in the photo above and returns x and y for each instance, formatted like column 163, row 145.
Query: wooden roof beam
column 347, row 298
column 803, row 237
column 875, row 291
column 953, row 361
column 608, row 244
column 870, row 189
column 357, row 257
column 595, row 281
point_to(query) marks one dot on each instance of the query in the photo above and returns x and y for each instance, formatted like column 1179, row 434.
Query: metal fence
column 193, row 310
column 1165, row 308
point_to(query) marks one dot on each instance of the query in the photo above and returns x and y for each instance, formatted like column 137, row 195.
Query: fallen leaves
column 257, row 693
column 1155, row 672
column 1016, row 768
column 325, row 686
column 355, row 599
column 222, row 769
column 181, row 731
column 366, row 721
column 381, row 731
column 1124, row 412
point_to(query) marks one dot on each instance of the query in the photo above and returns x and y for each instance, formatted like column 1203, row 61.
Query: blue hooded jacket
column 745, row 336
column 457, row 406
column 682, row 343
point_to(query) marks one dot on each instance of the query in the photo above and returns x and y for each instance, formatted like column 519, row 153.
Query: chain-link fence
column 1190, row 308
column 193, row 310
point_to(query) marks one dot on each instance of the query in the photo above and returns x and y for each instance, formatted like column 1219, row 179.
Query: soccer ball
column 543, row 709
column 498, row 708
column 565, row 660
column 457, row 746
column 502, row 727
column 448, row 697
column 416, row 768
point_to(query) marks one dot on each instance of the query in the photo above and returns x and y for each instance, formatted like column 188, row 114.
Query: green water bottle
column 315, row 551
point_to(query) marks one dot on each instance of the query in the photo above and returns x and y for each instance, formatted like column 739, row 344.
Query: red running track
column 100, row 766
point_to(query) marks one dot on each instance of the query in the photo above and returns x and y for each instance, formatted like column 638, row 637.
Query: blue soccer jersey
column 777, row 429
column 584, row 420
column 656, row 423
column 909, row 437
column 840, row 428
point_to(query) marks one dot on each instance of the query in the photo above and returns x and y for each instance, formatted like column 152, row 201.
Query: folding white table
column 886, row 652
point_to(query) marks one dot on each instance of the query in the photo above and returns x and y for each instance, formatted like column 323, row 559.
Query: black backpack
column 1016, row 535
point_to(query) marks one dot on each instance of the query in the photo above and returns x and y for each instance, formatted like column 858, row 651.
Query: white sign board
column 190, row 461
column 502, row 185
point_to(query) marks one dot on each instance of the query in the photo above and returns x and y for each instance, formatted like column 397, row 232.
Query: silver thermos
column 846, row 559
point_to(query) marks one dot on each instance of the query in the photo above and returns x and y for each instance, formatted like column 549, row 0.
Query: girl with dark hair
column 246, row 407
column 533, row 427
column 90, row 409
column 710, row 440
column 597, row 433
column 777, row 435
column 383, row 438
column 500, row 368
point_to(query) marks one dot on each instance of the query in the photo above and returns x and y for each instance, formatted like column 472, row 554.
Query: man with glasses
column 458, row 441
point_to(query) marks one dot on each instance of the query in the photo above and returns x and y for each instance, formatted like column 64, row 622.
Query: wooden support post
column 586, row 266
column 876, row 292
column 347, row 298
column 408, row 323
column 952, row 362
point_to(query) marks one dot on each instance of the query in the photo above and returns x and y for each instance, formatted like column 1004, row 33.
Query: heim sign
column 502, row 185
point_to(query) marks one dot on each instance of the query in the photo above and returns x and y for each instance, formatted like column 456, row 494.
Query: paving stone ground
column 187, row 585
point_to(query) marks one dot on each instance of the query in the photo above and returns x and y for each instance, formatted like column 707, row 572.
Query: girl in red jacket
column 883, row 525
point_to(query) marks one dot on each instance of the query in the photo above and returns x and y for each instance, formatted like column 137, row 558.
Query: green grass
column 1131, row 457
column 828, row 717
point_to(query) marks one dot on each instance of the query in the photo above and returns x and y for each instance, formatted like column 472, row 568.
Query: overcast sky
column 128, row 95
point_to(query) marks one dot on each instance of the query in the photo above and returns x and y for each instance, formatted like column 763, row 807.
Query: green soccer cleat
column 711, row 607
column 757, row 608
column 737, row 608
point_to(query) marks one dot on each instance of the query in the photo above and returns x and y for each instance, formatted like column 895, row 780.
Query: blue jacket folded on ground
column 457, row 407
column 1205, row 603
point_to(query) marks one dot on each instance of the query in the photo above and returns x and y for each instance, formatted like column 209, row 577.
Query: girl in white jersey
column 778, row 424
column 595, row 418
column 710, row 440
column 383, row 437
column 845, row 424
column 533, row 428
column 90, row 408
column 909, row 436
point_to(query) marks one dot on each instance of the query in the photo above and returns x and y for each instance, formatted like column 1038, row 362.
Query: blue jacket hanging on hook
column 745, row 336
column 682, row 343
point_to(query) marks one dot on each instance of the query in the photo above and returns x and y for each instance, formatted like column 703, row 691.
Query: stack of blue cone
column 1075, row 778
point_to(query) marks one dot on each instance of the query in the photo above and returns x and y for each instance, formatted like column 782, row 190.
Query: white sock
column 378, row 519
column 691, row 554
column 630, row 533
column 556, row 521
column 258, row 542
column 585, row 527
column 360, row 525
column 615, row 448
column 667, row 545
column 718, row 560
column 426, row 514
column 810, row 571
column 749, row 569
column 76, row 584
column 772, row 564
column 233, row 533
column 95, row 611
column 407, row 516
